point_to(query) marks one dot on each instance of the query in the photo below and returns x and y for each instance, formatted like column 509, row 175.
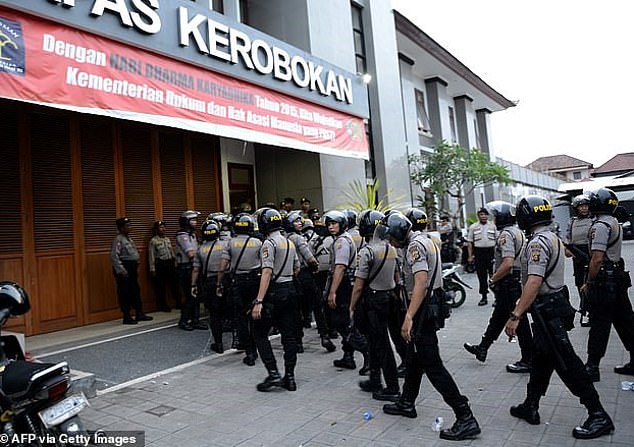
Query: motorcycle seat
column 17, row 375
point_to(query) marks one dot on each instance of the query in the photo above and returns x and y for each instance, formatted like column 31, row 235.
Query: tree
column 366, row 196
column 455, row 171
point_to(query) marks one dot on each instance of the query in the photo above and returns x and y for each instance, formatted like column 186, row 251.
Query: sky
column 570, row 64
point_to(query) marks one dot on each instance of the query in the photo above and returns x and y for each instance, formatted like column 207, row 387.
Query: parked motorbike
column 453, row 285
column 35, row 409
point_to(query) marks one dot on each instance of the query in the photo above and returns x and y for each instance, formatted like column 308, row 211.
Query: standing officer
column 480, row 243
column 206, row 263
column 374, row 286
column 275, row 303
column 507, row 286
column 425, row 315
column 304, row 204
column 242, row 253
column 606, row 285
column 351, row 228
column 125, row 264
column 577, row 246
column 321, row 245
column 162, row 266
column 186, row 247
column 546, row 297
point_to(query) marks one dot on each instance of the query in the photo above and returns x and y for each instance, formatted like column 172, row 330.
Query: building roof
column 557, row 162
column 618, row 163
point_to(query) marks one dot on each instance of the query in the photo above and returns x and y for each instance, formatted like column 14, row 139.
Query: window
column 452, row 125
column 576, row 175
column 217, row 5
column 244, row 11
column 421, row 113
column 359, row 41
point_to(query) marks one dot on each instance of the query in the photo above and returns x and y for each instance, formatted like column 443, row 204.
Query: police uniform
column 483, row 237
column 577, row 235
column 307, row 292
column 320, row 246
column 611, row 304
column 356, row 238
column 207, row 263
column 162, row 260
column 124, row 257
column 185, row 242
column 376, row 265
column 243, row 253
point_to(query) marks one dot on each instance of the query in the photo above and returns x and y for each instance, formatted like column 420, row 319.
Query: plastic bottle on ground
column 437, row 425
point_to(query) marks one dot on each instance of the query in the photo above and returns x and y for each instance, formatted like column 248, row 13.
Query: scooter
column 35, row 409
column 453, row 285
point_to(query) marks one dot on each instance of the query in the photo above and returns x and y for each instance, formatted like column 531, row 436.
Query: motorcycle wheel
column 456, row 294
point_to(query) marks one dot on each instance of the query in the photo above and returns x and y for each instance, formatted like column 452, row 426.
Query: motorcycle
column 35, row 409
column 453, row 285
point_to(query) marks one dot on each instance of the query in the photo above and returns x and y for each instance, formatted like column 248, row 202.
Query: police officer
column 480, row 244
column 224, row 222
column 423, row 318
column 606, row 285
column 186, row 248
column 374, row 287
column 577, row 247
column 352, row 229
column 545, row 296
column 125, row 264
column 343, row 253
column 320, row 244
column 275, row 303
column 242, row 253
column 206, row 265
column 507, row 287
column 162, row 260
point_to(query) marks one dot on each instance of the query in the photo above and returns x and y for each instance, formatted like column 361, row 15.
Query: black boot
column 401, row 407
column 288, row 382
column 627, row 369
column 346, row 362
column 372, row 384
column 327, row 343
column 250, row 358
column 597, row 424
column 518, row 367
column 365, row 369
column 483, row 301
column 528, row 410
column 593, row 371
column 477, row 350
column 465, row 427
column 390, row 393
column 272, row 381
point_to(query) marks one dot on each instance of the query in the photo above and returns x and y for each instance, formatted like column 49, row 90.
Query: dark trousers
column 321, row 278
column 215, row 304
column 506, row 294
column 190, row 311
column 243, row 292
column 312, row 298
column 341, row 313
column 615, row 310
column 395, row 322
column 376, row 305
column 570, row 369
column 483, row 258
column 279, row 310
column 424, row 358
column 128, row 291
column 164, row 281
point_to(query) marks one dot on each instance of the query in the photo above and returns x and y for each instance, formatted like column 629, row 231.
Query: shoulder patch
column 535, row 254
column 502, row 239
column 414, row 252
column 265, row 251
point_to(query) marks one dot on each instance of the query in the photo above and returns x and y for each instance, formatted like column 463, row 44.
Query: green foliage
column 362, row 197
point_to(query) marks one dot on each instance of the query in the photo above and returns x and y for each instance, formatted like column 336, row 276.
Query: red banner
column 49, row 63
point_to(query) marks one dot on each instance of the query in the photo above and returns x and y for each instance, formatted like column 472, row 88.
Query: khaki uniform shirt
column 160, row 249
column 544, row 253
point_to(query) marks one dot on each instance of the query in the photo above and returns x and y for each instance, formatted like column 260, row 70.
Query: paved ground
column 213, row 401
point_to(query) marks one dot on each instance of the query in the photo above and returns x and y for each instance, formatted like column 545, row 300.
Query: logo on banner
column 12, row 58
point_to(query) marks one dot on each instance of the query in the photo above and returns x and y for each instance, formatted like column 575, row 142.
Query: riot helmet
column 14, row 298
column 351, row 216
column 581, row 199
column 418, row 218
column 368, row 220
column 533, row 210
column 602, row 201
column 210, row 230
column 289, row 221
column 243, row 224
column 503, row 213
column 307, row 224
column 336, row 216
column 186, row 216
column 321, row 229
column 398, row 227
column 269, row 220
column 222, row 219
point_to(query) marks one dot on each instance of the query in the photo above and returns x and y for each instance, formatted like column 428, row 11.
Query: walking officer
column 507, row 286
column 206, row 265
column 425, row 315
column 242, row 253
column 125, row 265
column 545, row 296
column 275, row 303
column 186, row 248
column 577, row 247
column 373, row 289
column 480, row 244
column 606, row 285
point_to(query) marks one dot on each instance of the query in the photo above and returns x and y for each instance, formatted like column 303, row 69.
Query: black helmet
column 223, row 220
column 186, row 216
column 418, row 218
column 321, row 229
column 602, row 201
column 269, row 220
column 351, row 215
column 289, row 219
column 581, row 199
column 210, row 230
column 503, row 212
column 533, row 210
column 398, row 226
column 14, row 298
column 338, row 217
column 368, row 220
column 243, row 224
